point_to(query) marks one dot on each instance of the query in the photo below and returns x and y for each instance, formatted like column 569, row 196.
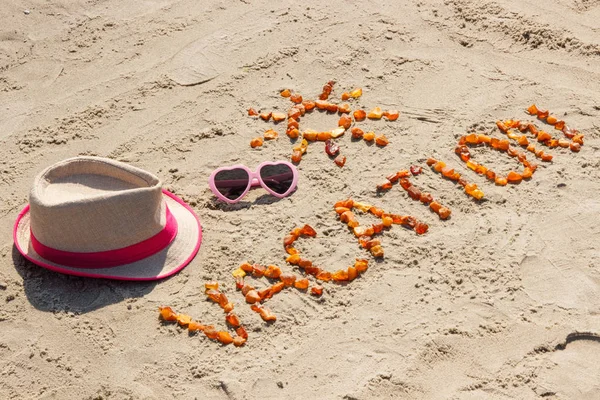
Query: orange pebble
column 195, row 327
column 332, row 108
column 575, row 147
column 352, row 273
column 340, row 275
column 301, row 284
column 232, row 320
column 376, row 251
column 252, row 297
column 501, row 181
column 345, row 121
column 270, row 134
column 293, row 133
column 213, row 295
column 344, row 108
column 369, row 136
column 285, row 93
column 392, row 115
column 375, row 113
column 356, row 93
column 359, row 115
column 309, row 105
column 514, row 177
column 238, row 341
column 256, row 142
column 532, row 110
column 361, row 265
column 167, row 314
column 252, row 112
column 224, row 337
column 324, row 276
column 340, row 160
column 288, row 279
column 345, row 96
column 265, row 116
column 316, row 290
column 273, row 272
column 211, row 285
column 241, row 332
column 381, row 140
column 210, row 332
column 278, row 116
column 296, row 98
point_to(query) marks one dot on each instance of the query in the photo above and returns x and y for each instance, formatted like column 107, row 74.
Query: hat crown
column 93, row 204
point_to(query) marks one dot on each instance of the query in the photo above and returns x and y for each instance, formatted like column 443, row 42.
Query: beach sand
column 492, row 303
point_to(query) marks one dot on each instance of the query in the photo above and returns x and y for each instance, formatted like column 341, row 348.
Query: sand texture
column 501, row 301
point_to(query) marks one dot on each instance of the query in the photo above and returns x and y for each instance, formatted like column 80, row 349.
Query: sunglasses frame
column 254, row 179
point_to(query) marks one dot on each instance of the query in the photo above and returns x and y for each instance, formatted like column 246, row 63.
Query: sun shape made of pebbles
column 348, row 117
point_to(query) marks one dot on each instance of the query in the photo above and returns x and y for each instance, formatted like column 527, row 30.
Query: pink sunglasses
column 230, row 184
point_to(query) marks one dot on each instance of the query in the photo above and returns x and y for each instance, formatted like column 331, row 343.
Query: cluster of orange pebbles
column 300, row 107
column 344, row 209
column 224, row 337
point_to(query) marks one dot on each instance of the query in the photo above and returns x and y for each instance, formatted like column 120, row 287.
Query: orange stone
column 345, row 121
column 265, row 116
column 361, row 265
column 252, row 297
column 167, row 314
column 224, row 337
column 381, row 140
column 309, row 105
column 288, row 279
column 352, row 273
column 575, row 147
column 273, row 272
column 376, row 251
column 195, row 327
column 532, row 110
column 296, row 98
column 232, row 320
column 392, row 115
column 340, row 160
column 241, row 332
column 375, row 113
column 252, row 112
column 356, row 93
column 359, row 115
column 369, row 136
column 340, row 275
column 270, row 134
column 357, row 133
column 501, row 181
column 301, row 284
column 344, row 108
column 285, row 93
column 316, row 290
column 256, row 142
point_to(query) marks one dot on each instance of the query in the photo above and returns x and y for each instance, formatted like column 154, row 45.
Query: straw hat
column 96, row 217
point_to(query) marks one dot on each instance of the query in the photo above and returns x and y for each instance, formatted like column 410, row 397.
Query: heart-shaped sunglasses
column 230, row 184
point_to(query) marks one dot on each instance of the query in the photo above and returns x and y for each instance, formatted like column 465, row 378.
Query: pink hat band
column 111, row 258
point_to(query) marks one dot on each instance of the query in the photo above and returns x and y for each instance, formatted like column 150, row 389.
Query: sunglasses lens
column 278, row 177
column 232, row 183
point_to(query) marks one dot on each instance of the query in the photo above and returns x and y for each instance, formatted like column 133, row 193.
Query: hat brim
column 167, row 262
